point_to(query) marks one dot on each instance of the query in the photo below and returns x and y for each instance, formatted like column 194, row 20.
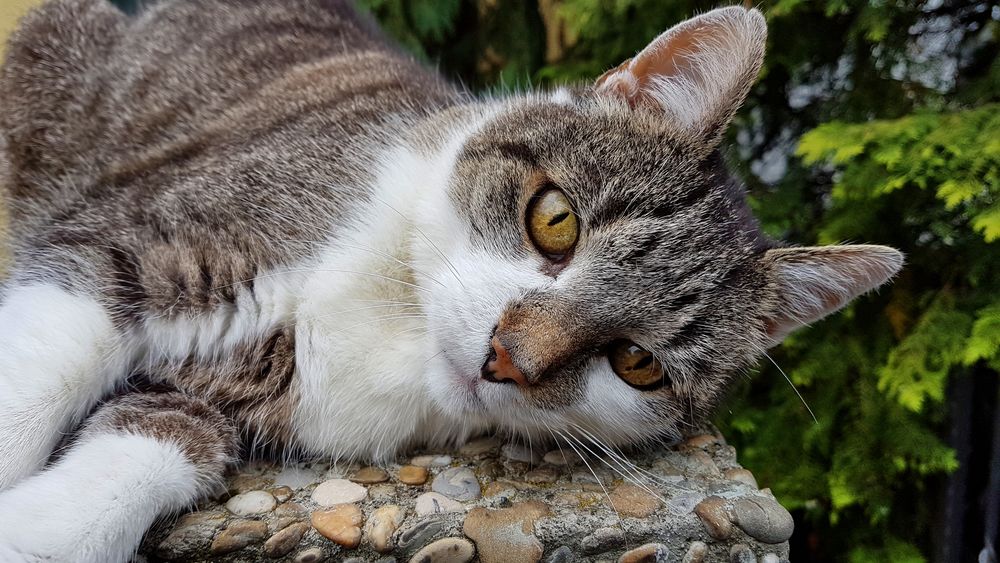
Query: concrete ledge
column 492, row 503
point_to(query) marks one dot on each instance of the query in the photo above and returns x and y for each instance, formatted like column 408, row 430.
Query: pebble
column 603, row 539
column 715, row 517
column 741, row 553
column 446, row 550
column 238, row 535
column 490, row 469
column 310, row 555
column 561, row 457
column 507, row 534
column 341, row 524
column 741, row 475
column 283, row 542
column 412, row 475
column 338, row 491
column 542, row 475
column 763, row 519
column 248, row 482
column 296, row 478
column 370, row 476
column 381, row 525
column 770, row 558
column 630, row 500
column 649, row 553
column 192, row 533
column 479, row 446
column 700, row 441
column 421, row 532
column 282, row 493
column 562, row 555
column 292, row 509
column 696, row 553
column 518, row 452
column 436, row 503
column 431, row 461
column 278, row 524
column 459, row 483
column 250, row 503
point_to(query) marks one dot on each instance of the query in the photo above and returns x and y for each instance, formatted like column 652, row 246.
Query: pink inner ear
column 631, row 79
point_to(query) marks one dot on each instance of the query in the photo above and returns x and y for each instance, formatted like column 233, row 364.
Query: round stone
column 630, row 500
column 649, row 553
column 741, row 475
column 283, row 542
column 741, row 553
column 412, row 475
column 508, row 534
column 700, row 441
column 763, row 519
column 518, row 452
column 541, row 476
column 381, row 525
column 250, row 503
column 238, row 535
column 479, row 446
column 446, row 550
column 696, row 553
column 282, row 493
column 338, row 491
column 341, row 524
column 436, row 503
column 431, row 461
column 715, row 517
column 561, row 457
column 370, row 476
column 459, row 483
column 310, row 555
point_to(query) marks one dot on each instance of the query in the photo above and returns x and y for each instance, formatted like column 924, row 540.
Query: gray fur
column 161, row 163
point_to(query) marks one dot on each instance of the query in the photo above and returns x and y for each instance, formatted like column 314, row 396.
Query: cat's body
column 320, row 248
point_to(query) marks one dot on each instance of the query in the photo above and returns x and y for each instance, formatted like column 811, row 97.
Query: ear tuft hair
column 812, row 282
column 698, row 72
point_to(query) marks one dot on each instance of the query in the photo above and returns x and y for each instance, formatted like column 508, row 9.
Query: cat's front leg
column 139, row 456
column 60, row 353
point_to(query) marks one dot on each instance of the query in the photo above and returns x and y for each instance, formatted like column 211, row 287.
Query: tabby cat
column 257, row 227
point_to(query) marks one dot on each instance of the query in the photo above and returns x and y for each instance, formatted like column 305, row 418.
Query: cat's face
column 599, row 270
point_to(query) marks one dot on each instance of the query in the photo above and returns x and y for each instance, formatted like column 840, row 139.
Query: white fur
column 59, row 354
column 95, row 504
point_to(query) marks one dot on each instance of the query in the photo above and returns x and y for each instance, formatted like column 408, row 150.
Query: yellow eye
column 636, row 366
column 552, row 225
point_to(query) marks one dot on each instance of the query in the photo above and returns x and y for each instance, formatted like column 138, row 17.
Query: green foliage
column 858, row 130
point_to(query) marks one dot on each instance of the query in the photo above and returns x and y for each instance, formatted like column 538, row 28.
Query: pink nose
column 500, row 368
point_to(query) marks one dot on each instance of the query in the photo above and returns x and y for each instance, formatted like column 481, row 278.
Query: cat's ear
column 699, row 71
column 812, row 282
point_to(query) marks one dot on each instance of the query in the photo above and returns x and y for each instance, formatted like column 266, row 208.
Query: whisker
column 789, row 380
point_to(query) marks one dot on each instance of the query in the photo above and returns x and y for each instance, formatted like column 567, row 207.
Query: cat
column 253, row 227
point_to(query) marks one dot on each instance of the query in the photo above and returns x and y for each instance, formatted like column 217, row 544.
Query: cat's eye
column 551, row 223
column 634, row 365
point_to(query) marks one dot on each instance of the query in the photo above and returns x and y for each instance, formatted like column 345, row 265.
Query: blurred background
column 873, row 121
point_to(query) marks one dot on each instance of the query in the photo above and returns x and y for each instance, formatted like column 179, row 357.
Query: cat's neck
column 365, row 349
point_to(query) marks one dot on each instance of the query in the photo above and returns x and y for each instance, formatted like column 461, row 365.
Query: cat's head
column 598, row 270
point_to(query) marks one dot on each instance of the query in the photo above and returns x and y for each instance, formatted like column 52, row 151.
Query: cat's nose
column 499, row 368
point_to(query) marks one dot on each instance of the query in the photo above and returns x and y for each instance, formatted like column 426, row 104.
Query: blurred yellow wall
column 10, row 12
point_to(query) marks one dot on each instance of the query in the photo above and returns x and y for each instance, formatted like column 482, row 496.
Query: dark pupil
column 645, row 362
column 558, row 218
